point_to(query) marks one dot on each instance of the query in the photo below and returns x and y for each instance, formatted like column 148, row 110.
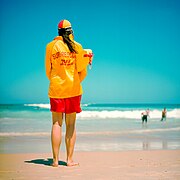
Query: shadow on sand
column 46, row 162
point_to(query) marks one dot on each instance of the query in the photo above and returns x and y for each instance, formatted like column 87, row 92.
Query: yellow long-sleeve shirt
column 64, row 69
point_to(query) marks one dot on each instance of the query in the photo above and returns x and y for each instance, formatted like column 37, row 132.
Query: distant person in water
column 144, row 116
column 164, row 113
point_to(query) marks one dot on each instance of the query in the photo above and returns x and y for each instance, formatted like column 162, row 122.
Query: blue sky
column 136, row 45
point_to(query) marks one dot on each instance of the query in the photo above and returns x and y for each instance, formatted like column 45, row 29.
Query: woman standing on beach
column 66, row 68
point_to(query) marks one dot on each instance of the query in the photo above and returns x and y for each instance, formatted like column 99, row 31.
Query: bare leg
column 70, row 138
column 57, row 119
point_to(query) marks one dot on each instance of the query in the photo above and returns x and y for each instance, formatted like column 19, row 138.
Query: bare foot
column 72, row 164
column 54, row 164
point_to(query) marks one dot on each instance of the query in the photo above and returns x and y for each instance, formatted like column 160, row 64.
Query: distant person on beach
column 145, row 115
column 164, row 113
column 66, row 67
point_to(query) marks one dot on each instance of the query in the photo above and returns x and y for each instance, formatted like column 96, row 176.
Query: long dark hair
column 65, row 32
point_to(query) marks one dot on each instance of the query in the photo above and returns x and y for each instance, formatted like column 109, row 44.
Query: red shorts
column 66, row 105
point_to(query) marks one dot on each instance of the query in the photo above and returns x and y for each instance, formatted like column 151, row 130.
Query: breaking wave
column 111, row 113
column 134, row 114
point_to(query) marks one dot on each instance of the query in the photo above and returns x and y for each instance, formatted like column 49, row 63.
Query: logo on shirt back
column 65, row 58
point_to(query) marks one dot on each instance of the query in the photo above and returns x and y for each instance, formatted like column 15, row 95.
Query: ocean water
column 100, row 127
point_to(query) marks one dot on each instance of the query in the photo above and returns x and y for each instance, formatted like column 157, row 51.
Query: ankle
column 55, row 160
column 69, row 160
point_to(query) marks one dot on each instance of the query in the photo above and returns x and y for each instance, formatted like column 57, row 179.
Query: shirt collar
column 58, row 38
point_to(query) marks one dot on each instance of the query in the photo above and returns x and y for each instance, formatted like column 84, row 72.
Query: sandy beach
column 157, row 164
column 111, row 144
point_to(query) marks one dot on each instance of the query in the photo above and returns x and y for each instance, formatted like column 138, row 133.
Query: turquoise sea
column 25, row 128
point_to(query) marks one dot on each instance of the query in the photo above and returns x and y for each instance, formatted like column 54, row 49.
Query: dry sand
column 140, row 165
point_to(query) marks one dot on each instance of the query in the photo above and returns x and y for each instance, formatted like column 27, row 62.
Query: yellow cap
column 64, row 24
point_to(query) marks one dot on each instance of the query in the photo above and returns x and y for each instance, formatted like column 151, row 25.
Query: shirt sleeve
column 81, row 61
column 82, row 74
column 48, row 61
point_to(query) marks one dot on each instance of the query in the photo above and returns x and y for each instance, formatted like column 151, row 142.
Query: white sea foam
column 7, row 134
column 45, row 106
column 129, row 114
column 135, row 131
column 129, row 131
column 134, row 114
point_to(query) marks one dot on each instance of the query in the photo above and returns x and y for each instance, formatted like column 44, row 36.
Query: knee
column 57, row 119
column 70, row 127
column 70, row 130
column 57, row 123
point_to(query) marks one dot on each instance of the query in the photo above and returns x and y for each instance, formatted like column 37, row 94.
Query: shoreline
column 86, row 143
column 150, row 164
